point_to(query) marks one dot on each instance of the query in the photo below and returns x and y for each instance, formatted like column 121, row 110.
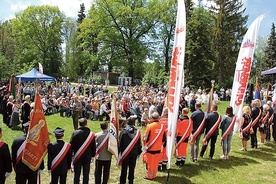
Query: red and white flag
column 243, row 68
column 113, row 131
column 40, row 68
column 176, row 77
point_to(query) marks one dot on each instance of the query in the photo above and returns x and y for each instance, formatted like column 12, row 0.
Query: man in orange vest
column 162, row 166
column 183, row 130
column 153, row 141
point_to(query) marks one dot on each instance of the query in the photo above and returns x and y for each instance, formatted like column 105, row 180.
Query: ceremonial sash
column 257, row 119
column 265, row 118
column 247, row 128
column 101, row 146
column 19, row 153
column 60, row 155
column 229, row 129
column 154, row 140
column 184, row 135
column 128, row 148
column 1, row 144
column 271, row 118
column 211, row 131
column 83, row 147
column 197, row 132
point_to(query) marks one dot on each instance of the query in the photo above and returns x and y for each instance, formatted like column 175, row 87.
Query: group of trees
column 122, row 36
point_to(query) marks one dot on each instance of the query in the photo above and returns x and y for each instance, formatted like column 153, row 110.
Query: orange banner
column 37, row 139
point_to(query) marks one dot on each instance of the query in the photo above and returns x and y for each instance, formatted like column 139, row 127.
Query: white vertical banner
column 113, row 131
column 176, row 77
column 243, row 68
column 40, row 68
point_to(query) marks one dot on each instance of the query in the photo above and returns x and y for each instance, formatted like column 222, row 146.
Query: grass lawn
column 253, row 166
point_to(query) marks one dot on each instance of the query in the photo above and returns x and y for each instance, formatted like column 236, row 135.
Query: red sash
column 184, row 136
column 154, row 140
column 60, row 156
column 211, row 131
column 83, row 148
column 19, row 154
column 197, row 132
column 229, row 129
column 103, row 144
column 271, row 118
column 265, row 118
column 1, row 144
column 128, row 148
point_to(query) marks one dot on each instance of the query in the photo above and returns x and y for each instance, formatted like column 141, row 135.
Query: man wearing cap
column 22, row 171
column 5, row 161
column 59, row 158
column 84, row 149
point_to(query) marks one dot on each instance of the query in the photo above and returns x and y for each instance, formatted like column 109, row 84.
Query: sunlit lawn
column 253, row 166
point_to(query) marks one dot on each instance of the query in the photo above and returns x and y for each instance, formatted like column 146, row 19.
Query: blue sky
column 254, row 8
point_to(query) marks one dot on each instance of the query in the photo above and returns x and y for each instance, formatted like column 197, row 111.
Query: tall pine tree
column 230, row 27
column 270, row 56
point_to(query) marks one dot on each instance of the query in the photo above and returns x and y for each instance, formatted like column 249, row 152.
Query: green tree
column 200, row 55
column 259, row 55
column 7, row 44
column 229, row 28
column 269, row 56
column 155, row 74
column 5, row 71
column 123, row 27
column 81, row 14
column 38, row 34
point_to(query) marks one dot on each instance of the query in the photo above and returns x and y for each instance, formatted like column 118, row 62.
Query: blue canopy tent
column 34, row 75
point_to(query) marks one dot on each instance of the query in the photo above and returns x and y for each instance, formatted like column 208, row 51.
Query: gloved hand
column 7, row 175
column 92, row 159
column 39, row 171
column 144, row 149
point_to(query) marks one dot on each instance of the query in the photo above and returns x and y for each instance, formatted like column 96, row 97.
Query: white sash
column 60, row 155
column 77, row 155
column 129, row 147
column 154, row 140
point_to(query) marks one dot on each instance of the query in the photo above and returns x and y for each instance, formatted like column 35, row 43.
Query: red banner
column 37, row 139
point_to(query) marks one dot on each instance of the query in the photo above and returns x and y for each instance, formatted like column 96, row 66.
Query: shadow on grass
column 261, row 153
column 194, row 169
column 18, row 128
column 175, row 177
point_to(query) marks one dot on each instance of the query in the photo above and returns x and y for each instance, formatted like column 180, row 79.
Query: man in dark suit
column 82, row 137
column 211, row 131
column 5, row 161
column 26, row 110
column 59, row 158
column 270, row 119
column 22, row 171
column 4, row 106
column 197, row 118
column 128, row 136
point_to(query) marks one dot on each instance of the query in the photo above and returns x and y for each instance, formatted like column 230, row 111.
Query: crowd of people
column 143, row 106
